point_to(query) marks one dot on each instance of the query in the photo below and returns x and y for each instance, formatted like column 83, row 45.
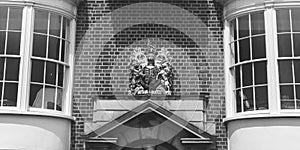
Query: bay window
column 35, row 59
column 263, row 61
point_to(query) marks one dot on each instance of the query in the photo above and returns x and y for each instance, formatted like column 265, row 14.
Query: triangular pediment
column 149, row 121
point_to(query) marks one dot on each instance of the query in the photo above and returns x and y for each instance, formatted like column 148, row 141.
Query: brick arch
column 116, row 49
column 191, row 6
column 143, row 31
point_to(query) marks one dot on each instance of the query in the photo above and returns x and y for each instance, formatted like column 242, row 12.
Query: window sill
column 261, row 115
column 37, row 113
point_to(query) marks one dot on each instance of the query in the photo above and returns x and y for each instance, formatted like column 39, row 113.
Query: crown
column 151, row 50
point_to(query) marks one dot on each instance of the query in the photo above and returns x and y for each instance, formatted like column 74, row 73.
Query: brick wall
column 107, row 32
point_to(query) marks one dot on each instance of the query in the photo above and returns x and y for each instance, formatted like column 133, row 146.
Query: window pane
column 261, row 98
column 1, row 68
column 15, row 19
column 243, row 26
column 296, row 44
column 66, row 26
column 248, row 99
column 260, row 72
column 287, row 97
column 284, row 45
column 53, row 51
column 257, row 23
column 13, row 43
column 297, row 70
column 244, row 49
column 59, row 99
column 1, row 91
column 238, row 101
column 37, row 70
column 285, row 71
column 233, row 32
column 258, row 47
column 283, row 20
column 3, row 18
column 2, row 41
column 63, row 48
column 10, row 94
column 237, row 77
column 50, row 73
column 64, row 57
column 298, row 96
column 12, row 69
column 296, row 20
column 49, row 97
column 247, row 74
column 36, row 96
column 55, row 23
column 41, row 21
column 39, row 45
column 61, row 75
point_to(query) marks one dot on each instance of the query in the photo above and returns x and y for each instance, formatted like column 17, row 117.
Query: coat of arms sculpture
column 151, row 72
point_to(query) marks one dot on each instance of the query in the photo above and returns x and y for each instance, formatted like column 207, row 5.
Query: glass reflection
column 40, row 21
column 247, row 74
column 285, row 71
column 243, row 26
column 15, row 19
column 244, row 49
column 284, row 45
column 10, row 94
column 283, row 21
column 257, row 23
column 287, row 97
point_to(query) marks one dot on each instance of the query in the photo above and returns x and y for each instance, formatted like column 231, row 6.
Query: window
column 10, row 39
column 249, row 62
column 49, row 62
column 288, row 34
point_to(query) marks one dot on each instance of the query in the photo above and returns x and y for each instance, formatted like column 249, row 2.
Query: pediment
column 149, row 121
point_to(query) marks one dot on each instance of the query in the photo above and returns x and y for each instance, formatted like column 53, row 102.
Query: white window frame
column 272, row 66
column 26, row 47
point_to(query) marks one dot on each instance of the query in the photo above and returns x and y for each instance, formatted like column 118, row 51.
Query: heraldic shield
column 151, row 72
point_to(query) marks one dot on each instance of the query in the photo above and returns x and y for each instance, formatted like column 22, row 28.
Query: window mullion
column 3, row 83
column 252, row 64
column 240, row 66
column 57, row 65
column 25, row 50
column 237, row 39
column 272, row 65
column 68, row 82
column 6, row 31
column 56, row 86
column 292, row 46
column 45, row 62
column 229, row 79
column 4, row 65
column 242, row 89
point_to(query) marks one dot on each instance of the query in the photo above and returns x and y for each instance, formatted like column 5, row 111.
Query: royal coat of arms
column 151, row 72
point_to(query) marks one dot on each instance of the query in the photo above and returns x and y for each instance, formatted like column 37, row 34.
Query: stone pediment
column 149, row 121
